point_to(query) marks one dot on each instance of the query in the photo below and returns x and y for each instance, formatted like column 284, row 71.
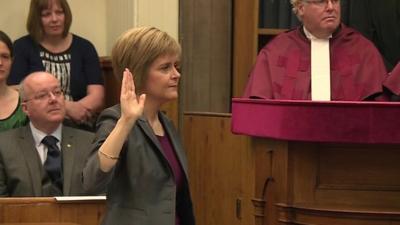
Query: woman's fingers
column 129, row 84
column 132, row 82
column 124, row 84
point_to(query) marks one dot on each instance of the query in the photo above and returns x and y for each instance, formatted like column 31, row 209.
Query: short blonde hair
column 138, row 48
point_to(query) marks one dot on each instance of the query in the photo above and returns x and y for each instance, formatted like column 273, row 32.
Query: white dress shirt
column 38, row 137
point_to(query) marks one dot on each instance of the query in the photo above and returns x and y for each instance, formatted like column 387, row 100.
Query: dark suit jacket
column 21, row 170
column 141, row 187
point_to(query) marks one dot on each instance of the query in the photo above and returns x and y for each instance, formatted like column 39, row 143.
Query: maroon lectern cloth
column 334, row 122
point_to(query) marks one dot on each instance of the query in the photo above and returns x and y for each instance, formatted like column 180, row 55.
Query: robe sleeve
column 259, row 84
column 392, row 82
column 373, row 71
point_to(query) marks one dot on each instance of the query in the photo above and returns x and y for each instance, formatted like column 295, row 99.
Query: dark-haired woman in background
column 11, row 114
column 71, row 59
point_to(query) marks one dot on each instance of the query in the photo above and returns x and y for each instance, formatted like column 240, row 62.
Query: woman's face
column 5, row 61
column 163, row 79
column 53, row 19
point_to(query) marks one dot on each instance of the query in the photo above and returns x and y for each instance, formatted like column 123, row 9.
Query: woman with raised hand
column 138, row 155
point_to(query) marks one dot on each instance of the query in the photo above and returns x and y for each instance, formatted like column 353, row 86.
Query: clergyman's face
column 320, row 17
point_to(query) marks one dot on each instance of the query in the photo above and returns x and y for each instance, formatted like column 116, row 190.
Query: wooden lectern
column 50, row 211
column 323, row 163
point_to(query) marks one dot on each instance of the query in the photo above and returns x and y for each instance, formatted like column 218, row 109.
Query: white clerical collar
column 320, row 67
column 310, row 36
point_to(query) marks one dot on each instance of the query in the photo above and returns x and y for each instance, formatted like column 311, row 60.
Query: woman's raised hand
column 131, row 105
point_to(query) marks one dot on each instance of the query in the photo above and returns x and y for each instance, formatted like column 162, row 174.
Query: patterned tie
column 53, row 162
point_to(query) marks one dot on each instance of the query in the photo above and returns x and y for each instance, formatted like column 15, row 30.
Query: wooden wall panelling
column 111, row 84
column 197, row 94
column 206, row 44
column 340, row 215
column 361, row 167
column 264, row 181
column 221, row 170
column 364, row 175
column 221, row 57
column 171, row 109
column 280, row 188
column 272, row 182
column 303, row 166
column 331, row 184
column 245, row 19
column 348, row 175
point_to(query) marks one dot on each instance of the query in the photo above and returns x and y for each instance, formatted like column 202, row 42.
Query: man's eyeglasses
column 323, row 3
column 46, row 95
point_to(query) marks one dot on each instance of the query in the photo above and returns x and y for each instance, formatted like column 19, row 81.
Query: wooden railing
column 46, row 211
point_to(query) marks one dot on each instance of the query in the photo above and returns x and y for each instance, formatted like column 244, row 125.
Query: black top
column 85, row 65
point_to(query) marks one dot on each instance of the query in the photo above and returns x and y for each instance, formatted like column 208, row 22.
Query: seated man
column 320, row 58
column 44, row 158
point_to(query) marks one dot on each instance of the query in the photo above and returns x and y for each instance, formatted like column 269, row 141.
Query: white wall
column 13, row 17
column 99, row 21
column 121, row 15
column 125, row 14
column 88, row 21
column 163, row 14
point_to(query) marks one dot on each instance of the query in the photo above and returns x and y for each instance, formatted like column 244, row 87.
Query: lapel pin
column 68, row 146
